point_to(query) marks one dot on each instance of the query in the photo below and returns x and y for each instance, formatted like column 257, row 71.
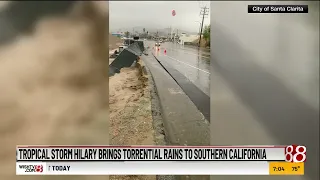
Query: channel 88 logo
column 296, row 153
column 39, row 168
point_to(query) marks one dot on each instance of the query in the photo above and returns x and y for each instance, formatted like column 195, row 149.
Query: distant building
column 118, row 34
column 187, row 39
column 127, row 41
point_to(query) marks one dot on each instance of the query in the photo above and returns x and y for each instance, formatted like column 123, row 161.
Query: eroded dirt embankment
column 130, row 108
column 130, row 112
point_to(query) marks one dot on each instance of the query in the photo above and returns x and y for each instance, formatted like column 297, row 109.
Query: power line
column 203, row 12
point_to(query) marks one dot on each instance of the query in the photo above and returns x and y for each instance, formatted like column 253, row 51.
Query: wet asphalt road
column 192, row 62
column 279, row 116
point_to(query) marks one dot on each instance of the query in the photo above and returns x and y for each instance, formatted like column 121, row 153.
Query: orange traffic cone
column 165, row 52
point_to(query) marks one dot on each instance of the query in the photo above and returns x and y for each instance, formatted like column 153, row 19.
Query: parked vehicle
column 121, row 48
column 118, row 51
column 127, row 41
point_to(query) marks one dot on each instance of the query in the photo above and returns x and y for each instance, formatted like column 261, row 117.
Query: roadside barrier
column 126, row 57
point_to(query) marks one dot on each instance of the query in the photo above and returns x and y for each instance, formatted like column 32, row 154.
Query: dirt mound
column 130, row 106
column 114, row 42
column 130, row 111
column 202, row 44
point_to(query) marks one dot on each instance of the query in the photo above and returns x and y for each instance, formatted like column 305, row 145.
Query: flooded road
column 189, row 67
column 190, row 61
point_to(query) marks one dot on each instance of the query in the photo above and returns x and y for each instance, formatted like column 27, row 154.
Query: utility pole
column 132, row 32
column 177, row 35
column 204, row 12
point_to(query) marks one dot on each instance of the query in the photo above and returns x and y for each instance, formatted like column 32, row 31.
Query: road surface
column 249, row 104
column 192, row 62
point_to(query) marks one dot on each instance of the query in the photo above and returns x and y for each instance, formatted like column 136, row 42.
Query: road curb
column 183, row 123
column 160, row 138
column 197, row 96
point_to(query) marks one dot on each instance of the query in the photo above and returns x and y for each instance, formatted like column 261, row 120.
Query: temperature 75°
column 295, row 168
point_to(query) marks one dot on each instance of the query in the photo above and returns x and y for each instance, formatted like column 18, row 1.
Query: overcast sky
column 157, row 14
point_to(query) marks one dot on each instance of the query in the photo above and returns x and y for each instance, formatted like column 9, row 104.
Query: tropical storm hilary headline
column 138, row 154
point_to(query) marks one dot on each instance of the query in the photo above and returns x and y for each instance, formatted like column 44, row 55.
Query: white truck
column 118, row 51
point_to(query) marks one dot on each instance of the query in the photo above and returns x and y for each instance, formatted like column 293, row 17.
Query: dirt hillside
column 130, row 112
column 202, row 44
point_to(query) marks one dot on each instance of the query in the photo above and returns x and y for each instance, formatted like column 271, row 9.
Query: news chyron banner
column 160, row 160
